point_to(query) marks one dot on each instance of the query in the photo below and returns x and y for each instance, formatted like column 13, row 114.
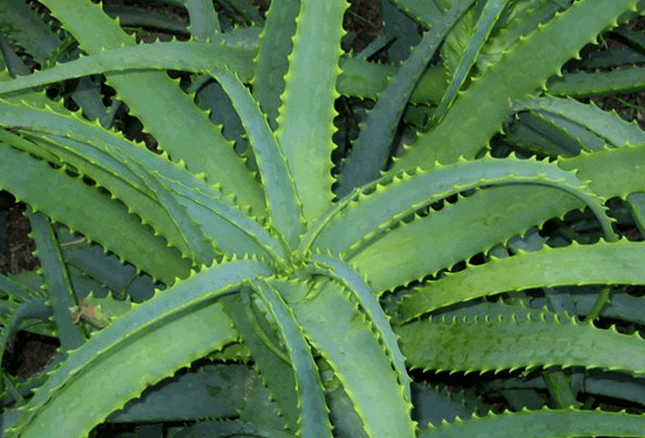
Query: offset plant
column 326, row 277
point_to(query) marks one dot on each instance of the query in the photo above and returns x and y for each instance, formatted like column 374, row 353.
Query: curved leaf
column 282, row 201
column 615, row 130
column 600, row 263
column 313, row 421
column 194, row 56
column 356, row 219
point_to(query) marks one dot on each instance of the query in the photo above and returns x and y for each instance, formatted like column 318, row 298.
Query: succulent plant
column 308, row 241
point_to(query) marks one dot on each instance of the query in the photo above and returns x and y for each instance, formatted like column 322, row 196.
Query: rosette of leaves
column 330, row 279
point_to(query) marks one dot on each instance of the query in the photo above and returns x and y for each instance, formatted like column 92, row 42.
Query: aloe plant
column 319, row 277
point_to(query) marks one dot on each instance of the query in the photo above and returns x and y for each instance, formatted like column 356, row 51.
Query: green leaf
column 194, row 56
column 313, row 421
column 282, row 201
column 600, row 263
column 56, row 280
column 190, row 207
column 305, row 121
column 361, row 218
